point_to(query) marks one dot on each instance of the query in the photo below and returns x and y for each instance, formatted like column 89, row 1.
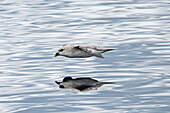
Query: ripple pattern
column 31, row 32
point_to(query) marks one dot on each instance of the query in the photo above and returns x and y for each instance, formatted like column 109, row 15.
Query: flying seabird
column 81, row 50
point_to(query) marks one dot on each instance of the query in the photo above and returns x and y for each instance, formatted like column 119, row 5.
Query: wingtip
column 101, row 56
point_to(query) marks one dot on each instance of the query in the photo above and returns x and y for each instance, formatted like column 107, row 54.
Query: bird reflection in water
column 81, row 84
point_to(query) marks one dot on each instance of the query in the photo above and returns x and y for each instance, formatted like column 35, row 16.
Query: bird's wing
column 88, row 88
column 86, row 79
column 82, row 87
column 90, row 51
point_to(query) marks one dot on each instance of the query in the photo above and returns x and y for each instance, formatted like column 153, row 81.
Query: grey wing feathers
column 95, row 53
column 91, row 51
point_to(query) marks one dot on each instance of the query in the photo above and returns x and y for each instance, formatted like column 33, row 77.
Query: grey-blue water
column 31, row 31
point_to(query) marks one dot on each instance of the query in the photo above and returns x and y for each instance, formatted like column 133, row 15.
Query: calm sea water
column 32, row 31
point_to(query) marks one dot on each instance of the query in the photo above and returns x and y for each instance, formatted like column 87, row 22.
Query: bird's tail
column 108, row 49
column 108, row 82
column 105, row 49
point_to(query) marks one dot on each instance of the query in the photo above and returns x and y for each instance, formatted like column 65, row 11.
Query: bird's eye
column 60, row 50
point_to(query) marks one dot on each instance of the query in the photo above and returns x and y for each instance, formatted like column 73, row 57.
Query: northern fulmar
column 81, row 50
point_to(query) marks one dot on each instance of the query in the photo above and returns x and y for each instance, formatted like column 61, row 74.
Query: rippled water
column 32, row 31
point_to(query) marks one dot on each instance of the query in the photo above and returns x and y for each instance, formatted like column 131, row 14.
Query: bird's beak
column 56, row 54
column 57, row 82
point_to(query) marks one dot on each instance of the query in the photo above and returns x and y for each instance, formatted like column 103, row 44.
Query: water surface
column 32, row 31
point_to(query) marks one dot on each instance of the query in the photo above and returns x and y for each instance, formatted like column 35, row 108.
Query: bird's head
column 60, row 52
column 63, row 51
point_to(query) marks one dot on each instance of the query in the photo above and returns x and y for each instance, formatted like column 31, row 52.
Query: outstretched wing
column 87, row 87
column 86, row 79
column 90, row 51
column 82, row 87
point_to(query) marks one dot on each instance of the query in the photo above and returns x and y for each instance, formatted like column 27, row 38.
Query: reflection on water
column 31, row 32
column 81, row 84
